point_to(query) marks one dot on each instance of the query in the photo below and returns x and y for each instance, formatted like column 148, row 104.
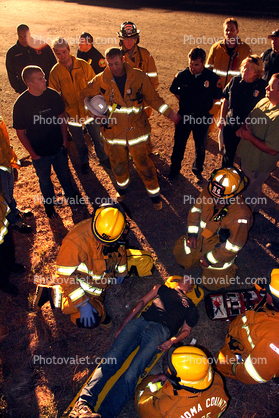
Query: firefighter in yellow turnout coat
column 189, row 388
column 124, row 90
column 89, row 260
column 251, row 350
column 218, row 226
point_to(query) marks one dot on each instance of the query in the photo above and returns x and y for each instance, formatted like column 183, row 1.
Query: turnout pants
column 119, row 160
column 213, row 278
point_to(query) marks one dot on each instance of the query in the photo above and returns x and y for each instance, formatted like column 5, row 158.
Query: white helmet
column 97, row 105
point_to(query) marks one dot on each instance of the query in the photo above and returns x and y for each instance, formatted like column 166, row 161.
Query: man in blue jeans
column 41, row 125
column 153, row 331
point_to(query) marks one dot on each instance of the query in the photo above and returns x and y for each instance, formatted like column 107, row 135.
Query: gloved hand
column 87, row 315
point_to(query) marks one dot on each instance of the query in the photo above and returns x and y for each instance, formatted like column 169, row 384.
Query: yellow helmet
column 226, row 182
column 189, row 369
column 108, row 224
column 273, row 285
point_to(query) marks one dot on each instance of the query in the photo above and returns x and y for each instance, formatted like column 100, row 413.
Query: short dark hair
column 113, row 52
column 22, row 27
column 87, row 36
column 197, row 53
column 230, row 20
column 27, row 72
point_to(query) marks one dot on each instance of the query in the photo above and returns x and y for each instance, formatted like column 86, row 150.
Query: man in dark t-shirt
column 89, row 53
column 41, row 124
column 196, row 88
column 153, row 331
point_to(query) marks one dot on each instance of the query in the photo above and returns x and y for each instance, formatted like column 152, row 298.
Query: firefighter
column 90, row 259
column 225, row 57
column 124, row 90
column 251, row 350
column 188, row 385
column 135, row 55
column 138, row 57
column 218, row 226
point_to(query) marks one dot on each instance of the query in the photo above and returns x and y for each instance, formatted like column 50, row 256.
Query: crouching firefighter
column 251, row 350
column 188, row 388
column 218, row 226
column 91, row 258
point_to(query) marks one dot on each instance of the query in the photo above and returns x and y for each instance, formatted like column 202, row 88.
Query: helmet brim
column 93, row 110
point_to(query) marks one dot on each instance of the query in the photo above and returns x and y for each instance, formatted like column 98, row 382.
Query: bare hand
column 244, row 132
column 203, row 262
column 192, row 242
column 175, row 117
column 165, row 346
column 160, row 377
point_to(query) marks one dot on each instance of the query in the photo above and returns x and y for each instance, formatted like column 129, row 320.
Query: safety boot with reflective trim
column 82, row 410
column 43, row 295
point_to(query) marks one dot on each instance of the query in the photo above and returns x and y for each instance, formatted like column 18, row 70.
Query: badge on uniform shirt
column 256, row 93
column 185, row 303
column 206, row 83
column 38, row 51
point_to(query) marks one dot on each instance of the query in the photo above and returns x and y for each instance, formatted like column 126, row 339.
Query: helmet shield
column 226, row 182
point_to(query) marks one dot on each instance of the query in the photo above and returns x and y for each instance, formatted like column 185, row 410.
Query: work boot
column 22, row 227
column 120, row 195
column 82, row 410
column 50, row 211
column 43, row 295
column 157, row 202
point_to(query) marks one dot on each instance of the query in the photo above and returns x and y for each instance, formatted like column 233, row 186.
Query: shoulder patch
column 206, row 83
column 185, row 302
column 102, row 63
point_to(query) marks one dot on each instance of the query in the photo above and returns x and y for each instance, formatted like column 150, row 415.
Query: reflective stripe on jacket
column 255, row 337
column 236, row 222
column 144, row 61
column 129, row 123
column 81, row 266
column 222, row 64
column 69, row 84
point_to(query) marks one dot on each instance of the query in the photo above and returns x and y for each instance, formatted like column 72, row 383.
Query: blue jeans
column 145, row 334
column 7, row 189
column 60, row 166
column 78, row 138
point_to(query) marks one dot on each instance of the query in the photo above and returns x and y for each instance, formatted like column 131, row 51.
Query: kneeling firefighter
column 188, row 385
column 92, row 257
column 217, row 229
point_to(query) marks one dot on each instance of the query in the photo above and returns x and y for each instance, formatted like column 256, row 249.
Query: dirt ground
column 30, row 388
